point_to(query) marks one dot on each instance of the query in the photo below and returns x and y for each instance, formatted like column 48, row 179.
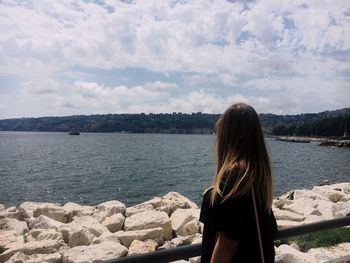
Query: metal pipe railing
column 173, row 254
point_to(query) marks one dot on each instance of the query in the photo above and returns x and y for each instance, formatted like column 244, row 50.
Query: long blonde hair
column 242, row 158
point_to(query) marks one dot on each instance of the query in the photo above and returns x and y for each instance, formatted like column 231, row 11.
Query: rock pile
column 308, row 206
column 73, row 233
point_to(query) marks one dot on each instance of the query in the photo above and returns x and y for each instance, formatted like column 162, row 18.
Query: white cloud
column 261, row 47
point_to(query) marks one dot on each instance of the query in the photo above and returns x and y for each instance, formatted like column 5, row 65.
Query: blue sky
column 93, row 57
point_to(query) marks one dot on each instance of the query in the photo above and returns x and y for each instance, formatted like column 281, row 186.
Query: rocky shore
column 73, row 233
column 340, row 142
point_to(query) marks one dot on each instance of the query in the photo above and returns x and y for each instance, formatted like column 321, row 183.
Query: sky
column 60, row 58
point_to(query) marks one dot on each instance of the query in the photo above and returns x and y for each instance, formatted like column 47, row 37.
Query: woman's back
column 236, row 219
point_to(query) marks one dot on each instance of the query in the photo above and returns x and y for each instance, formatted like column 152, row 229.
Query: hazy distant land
column 327, row 123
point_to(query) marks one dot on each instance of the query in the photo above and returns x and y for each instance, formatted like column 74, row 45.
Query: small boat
column 73, row 133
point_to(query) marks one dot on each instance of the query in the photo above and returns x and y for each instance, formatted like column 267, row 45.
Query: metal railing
column 185, row 252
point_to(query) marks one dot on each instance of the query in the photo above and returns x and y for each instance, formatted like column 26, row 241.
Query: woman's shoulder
column 207, row 191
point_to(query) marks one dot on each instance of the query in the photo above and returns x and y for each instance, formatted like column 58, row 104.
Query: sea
column 96, row 167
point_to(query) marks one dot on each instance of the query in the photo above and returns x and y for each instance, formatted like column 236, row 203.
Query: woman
column 241, row 192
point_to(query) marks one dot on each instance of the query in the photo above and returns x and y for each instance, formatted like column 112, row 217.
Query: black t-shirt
column 236, row 219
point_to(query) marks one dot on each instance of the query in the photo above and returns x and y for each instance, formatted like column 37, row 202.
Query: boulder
column 302, row 206
column 111, row 207
column 32, row 248
column 138, row 209
column 195, row 260
column 94, row 253
column 106, row 237
column 343, row 187
column 114, row 223
column 54, row 212
column 329, row 194
column 13, row 224
column 155, row 202
column 149, row 219
column 82, row 231
column 20, row 257
column 44, row 234
column 337, row 253
column 287, row 215
column 11, row 212
column 324, row 209
column 173, row 200
column 287, row 254
column 10, row 238
column 185, row 221
column 74, row 209
column 140, row 247
column 181, row 241
column 312, row 219
column 44, row 222
column 2, row 207
column 80, row 237
column 190, row 228
column 286, row 224
column 305, row 193
column 341, row 209
column 27, row 208
column 281, row 202
column 127, row 237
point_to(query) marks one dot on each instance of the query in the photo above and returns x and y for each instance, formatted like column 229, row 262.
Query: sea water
column 132, row 168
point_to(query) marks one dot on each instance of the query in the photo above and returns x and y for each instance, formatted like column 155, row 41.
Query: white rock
column 111, row 207
column 341, row 209
column 10, row 238
column 305, row 193
column 195, row 260
column 324, row 209
column 44, row 222
column 181, row 241
column 343, row 187
column 281, row 202
column 180, row 219
column 82, row 231
column 127, row 237
column 11, row 209
column 74, row 209
column 54, row 212
column 149, row 219
column 2, row 207
column 312, row 219
column 44, row 234
column 173, row 200
column 106, row 237
column 13, row 224
column 20, row 257
column 155, row 202
column 140, row 247
column 94, row 253
column 287, row 215
column 31, row 248
column 302, row 206
column 287, row 254
column 114, row 223
column 27, row 208
column 11, row 212
column 138, row 209
column 328, row 193
column 338, row 253
column 286, row 224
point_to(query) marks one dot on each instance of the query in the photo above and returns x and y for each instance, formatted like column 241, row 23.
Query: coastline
column 72, row 233
column 323, row 141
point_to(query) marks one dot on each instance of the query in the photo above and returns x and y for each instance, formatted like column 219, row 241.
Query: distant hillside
column 199, row 123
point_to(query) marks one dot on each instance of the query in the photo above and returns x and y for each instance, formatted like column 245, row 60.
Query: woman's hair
column 242, row 158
